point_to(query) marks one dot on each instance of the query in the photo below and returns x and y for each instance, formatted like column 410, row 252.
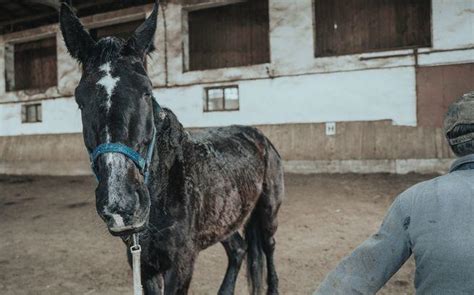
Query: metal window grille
column 31, row 113
column 224, row 98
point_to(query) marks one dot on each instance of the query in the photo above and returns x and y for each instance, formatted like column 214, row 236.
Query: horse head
column 117, row 106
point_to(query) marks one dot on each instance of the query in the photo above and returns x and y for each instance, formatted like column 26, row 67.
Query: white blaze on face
column 116, row 162
column 108, row 82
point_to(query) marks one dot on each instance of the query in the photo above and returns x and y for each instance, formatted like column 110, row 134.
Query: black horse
column 203, row 187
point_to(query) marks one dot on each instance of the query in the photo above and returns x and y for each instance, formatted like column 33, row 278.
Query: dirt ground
column 53, row 242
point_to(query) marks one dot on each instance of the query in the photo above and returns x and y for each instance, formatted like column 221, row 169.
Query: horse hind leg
column 235, row 248
column 267, row 211
column 268, row 223
column 272, row 277
column 259, row 232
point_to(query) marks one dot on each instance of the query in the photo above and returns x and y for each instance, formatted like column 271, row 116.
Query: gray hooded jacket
column 434, row 220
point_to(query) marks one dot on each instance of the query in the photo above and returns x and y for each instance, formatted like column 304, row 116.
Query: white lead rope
column 136, row 250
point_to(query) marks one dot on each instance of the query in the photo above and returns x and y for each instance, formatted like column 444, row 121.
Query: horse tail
column 255, row 255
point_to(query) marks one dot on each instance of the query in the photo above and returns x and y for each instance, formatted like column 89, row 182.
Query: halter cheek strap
column 143, row 164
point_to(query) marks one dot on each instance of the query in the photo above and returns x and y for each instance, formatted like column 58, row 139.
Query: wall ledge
column 423, row 166
column 395, row 166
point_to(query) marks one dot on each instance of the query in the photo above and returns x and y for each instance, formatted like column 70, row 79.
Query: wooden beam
column 56, row 4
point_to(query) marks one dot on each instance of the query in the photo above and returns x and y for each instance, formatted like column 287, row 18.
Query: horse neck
column 169, row 144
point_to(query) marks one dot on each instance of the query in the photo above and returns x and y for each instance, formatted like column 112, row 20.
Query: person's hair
column 464, row 148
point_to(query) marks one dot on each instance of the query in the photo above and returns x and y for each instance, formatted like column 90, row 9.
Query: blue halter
column 143, row 164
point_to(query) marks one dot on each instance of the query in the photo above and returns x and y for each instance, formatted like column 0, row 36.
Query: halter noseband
column 143, row 164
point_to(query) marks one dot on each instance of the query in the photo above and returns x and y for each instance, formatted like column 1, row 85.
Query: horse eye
column 147, row 95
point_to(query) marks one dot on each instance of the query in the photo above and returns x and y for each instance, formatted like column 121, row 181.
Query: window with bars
column 31, row 113
column 224, row 98
column 31, row 65
column 356, row 26
column 229, row 36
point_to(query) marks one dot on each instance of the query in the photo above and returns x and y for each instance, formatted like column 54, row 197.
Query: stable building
column 338, row 86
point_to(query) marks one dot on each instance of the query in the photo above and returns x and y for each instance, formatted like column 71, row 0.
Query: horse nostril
column 113, row 218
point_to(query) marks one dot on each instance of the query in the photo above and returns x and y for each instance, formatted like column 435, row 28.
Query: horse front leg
column 178, row 278
column 153, row 285
column 235, row 248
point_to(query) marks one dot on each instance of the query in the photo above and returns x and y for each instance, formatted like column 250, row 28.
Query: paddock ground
column 52, row 241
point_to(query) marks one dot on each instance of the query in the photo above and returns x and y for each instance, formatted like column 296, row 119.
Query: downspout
column 165, row 27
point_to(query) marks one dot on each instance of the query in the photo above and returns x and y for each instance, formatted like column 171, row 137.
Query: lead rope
column 136, row 250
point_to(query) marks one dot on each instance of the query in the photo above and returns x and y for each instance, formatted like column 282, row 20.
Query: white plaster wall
column 59, row 116
column 345, row 96
column 453, row 23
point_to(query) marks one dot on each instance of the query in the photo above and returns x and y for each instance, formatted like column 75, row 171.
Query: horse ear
column 77, row 39
column 141, row 42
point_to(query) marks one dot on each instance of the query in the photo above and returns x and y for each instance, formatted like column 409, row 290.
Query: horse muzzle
column 120, row 226
column 124, row 211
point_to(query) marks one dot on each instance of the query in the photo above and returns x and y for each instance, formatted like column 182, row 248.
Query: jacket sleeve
column 371, row 264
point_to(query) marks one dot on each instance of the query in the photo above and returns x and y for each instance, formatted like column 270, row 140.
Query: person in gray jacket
column 434, row 220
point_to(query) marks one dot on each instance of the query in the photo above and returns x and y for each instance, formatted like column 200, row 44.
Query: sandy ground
column 52, row 241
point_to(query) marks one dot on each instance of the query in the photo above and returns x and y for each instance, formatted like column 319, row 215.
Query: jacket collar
column 463, row 163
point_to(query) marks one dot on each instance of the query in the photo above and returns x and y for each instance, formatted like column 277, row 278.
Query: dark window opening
column 31, row 113
column 229, row 36
column 31, row 65
column 355, row 26
column 221, row 99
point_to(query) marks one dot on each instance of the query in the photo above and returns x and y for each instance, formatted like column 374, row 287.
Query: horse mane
column 169, row 128
column 106, row 49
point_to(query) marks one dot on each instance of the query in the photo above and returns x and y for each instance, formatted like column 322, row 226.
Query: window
column 229, row 36
column 122, row 30
column 31, row 113
column 354, row 26
column 221, row 99
column 31, row 65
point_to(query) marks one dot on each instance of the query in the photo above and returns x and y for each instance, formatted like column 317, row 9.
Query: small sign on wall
column 331, row 128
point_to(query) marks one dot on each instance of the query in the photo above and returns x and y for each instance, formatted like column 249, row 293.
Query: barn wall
column 46, row 154
column 60, row 115
column 376, row 146
column 372, row 96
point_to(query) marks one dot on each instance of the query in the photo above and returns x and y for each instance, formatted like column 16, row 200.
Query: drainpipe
column 165, row 27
